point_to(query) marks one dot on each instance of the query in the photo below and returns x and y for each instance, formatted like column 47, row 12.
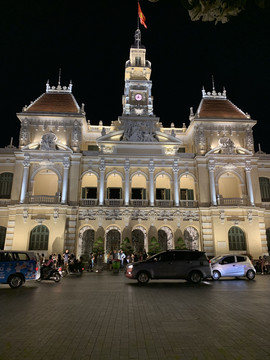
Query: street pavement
column 107, row 316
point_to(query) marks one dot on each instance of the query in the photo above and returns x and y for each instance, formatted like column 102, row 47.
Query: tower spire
column 138, row 38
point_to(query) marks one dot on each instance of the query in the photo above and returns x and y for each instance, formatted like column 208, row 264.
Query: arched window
column 89, row 186
column 237, row 239
column 265, row 188
column 3, row 231
column 5, row 185
column 39, row 238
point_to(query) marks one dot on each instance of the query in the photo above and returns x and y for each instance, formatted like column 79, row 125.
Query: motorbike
column 74, row 268
column 48, row 273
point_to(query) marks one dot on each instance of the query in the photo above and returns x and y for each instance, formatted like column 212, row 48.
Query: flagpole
column 138, row 19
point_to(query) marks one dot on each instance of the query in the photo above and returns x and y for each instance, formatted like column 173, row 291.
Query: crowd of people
column 262, row 265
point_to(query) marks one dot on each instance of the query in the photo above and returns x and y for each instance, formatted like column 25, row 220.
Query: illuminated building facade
column 70, row 184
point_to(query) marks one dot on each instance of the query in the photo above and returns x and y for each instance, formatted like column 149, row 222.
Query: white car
column 232, row 265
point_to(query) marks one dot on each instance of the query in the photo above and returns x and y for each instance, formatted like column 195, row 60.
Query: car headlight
column 130, row 267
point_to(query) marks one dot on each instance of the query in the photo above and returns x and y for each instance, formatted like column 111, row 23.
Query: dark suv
column 172, row 264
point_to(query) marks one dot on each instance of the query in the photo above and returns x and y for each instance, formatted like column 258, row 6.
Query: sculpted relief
column 139, row 131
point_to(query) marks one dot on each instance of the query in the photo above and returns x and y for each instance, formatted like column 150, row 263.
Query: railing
column 188, row 203
column 44, row 199
column 231, row 201
column 164, row 203
column 113, row 202
column 138, row 202
column 88, row 202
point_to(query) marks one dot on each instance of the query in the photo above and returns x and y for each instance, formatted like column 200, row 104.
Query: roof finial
column 59, row 77
column 213, row 83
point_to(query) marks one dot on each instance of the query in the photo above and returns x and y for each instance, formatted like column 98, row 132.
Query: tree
column 218, row 10
column 154, row 246
column 98, row 246
column 127, row 247
column 180, row 244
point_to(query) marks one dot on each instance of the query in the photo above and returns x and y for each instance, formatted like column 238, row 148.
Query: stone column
column 211, row 167
column 127, row 167
column 101, row 181
column 151, row 185
column 249, row 183
column 65, row 181
column 176, row 185
column 26, row 166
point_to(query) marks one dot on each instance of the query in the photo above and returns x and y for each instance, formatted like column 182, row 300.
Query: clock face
column 138, row 97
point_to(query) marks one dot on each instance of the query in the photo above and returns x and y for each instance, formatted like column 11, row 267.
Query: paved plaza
column 106, row 316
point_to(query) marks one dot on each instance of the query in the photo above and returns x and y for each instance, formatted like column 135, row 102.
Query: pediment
column 155, row 137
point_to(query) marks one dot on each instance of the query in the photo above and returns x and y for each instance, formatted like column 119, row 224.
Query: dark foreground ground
column 106, row 316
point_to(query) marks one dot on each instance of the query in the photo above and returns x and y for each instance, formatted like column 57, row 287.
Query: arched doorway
column 86, row 243
column 191, row 238
column 165, row 238
column 268, row 239
column 3, row 231
column 113, row 240
column 138, row 236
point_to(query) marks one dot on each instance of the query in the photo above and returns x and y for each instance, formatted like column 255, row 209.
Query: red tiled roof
column 219, row 108
column 54, row 103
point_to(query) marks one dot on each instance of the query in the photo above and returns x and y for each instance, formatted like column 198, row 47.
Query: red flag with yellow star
column 141, row 16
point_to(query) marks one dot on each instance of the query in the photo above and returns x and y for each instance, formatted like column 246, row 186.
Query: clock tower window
column 138, row 61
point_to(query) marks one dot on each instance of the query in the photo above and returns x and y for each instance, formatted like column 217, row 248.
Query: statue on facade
column 48, row 142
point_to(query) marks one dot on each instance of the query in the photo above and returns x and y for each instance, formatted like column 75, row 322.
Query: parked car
column 171, row 264
column 16, row 267
column 232, row 265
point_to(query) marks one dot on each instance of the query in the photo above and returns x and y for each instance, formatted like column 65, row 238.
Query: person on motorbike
column 46, row 267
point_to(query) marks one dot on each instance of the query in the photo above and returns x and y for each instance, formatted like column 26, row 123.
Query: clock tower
column 137, row 99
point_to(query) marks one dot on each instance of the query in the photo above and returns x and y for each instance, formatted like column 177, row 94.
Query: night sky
column 90, row 42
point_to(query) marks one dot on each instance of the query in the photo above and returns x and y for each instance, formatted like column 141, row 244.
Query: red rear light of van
column 37, row 268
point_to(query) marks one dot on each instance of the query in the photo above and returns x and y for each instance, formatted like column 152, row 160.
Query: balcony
column 164, row 203
column 138, row 202
column 188, row 203
column 231, row 201
column 114, row 202
column 43, row 199
column 88, row 202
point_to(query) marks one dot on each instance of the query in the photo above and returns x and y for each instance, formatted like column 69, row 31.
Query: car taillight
column 37, row 268
column 60, row 269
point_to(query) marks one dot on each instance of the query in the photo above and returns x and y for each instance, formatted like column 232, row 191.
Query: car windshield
column 216, row 259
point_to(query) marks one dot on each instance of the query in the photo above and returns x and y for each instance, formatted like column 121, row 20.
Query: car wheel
column 15, row 281
column 195, row 277
column 216, row 275
column 250, row 274
column 143, row 277
column 57, row 277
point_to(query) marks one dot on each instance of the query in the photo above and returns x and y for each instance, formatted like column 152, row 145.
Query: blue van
column 16, row 267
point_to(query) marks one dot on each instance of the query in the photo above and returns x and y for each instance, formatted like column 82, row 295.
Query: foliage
column 180, row 244
column 98, row 246
column 127, row 247
column 217, row 10
column 154, row 246
column 116, row 264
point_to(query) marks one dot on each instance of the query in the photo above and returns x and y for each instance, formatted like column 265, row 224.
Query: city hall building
column 71, row 184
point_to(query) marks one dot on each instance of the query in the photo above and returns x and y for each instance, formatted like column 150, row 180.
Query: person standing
column 66, row 259
column 122, row 259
